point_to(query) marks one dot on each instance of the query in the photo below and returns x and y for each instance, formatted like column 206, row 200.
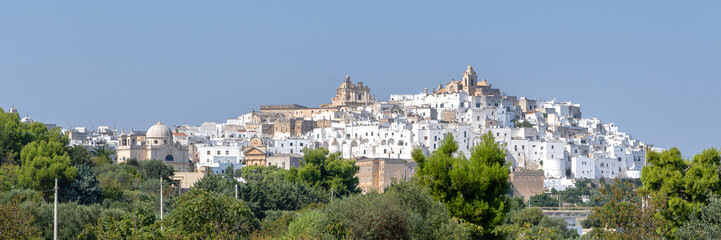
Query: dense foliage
column 474, row 188
column 404, row 211
column 683, row 186
column 531, row 223
column 258, row 173
column 206, row 214
column 704, row 224
column 326, row 170
column 42, row 162
column 451, row 197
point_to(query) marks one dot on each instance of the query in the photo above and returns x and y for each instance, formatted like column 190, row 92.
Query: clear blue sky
column 653, row 68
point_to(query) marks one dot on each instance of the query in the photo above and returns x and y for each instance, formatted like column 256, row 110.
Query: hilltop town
column 549, row 143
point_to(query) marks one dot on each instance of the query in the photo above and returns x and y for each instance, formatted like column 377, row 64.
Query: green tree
column 625, row 212
column 328, row 171
column 268, row 195
column 684, row 186
column 9, row 176
column 473, row 189
column 139, row 224
column 543, row 200
column 260, row 173
column 704, row 224
column 230, row 172
column 84, row 189
column 14, row 135
column 155, row 169
column 42, row 162
column 103, row 151
column 16, row 222
column 217, row 183
column 532, row 223
column 79, row 155
column 210, row 215
column 405, row 211
column 12, row 138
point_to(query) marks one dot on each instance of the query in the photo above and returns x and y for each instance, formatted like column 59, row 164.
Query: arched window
column 169, row 158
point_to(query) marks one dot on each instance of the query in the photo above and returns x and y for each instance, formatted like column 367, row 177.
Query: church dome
column 159, row 131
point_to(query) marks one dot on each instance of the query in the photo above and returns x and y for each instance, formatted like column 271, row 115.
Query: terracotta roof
column 179, row 134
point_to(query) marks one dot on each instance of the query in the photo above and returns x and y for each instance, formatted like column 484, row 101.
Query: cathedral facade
column 469, row 84
column 351, row 95
column 156, row 143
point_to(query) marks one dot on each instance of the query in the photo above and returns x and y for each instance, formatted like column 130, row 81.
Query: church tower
column 469, row 80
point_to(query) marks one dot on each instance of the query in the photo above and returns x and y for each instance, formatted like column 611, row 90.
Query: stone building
column 156, row 143
column 285, row 160
column 255, row 154
column 351, row 95
column 379, row 173
column 469, row 84
column 292, row 128
column 526, row 183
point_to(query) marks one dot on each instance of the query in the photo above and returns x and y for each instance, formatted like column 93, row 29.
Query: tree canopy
column 204, row 214
column 328, row 171
column 684, row 186
column 42, row 162
column 472, row 188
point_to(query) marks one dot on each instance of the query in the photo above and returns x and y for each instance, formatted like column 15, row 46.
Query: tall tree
column 79, row 155
column 14, row 135
column 685, row 186
column 154, row 169
column 631, row 214
column 42, row 162
column 203, row 214
column 705, row 224
column 269, row 195
column 472, row 188
column 103, row 154
column 84, row 189
column 328, row 171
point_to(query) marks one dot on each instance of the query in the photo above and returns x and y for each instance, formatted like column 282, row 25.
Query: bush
column 210, row 215
column 405, row 211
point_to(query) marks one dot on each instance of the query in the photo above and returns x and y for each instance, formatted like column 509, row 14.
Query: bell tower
column 469, row 80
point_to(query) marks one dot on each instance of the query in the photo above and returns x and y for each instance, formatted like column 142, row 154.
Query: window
column 227, row 152
column 291, row 151
column 301, row 144
column 169, row 158
column 218, row 153
column 208, row 152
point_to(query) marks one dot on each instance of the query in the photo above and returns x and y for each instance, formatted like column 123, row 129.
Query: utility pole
column 55, row 212
column 161, row 203
column 236, row 191
column 331, row 194
column 559, row 200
